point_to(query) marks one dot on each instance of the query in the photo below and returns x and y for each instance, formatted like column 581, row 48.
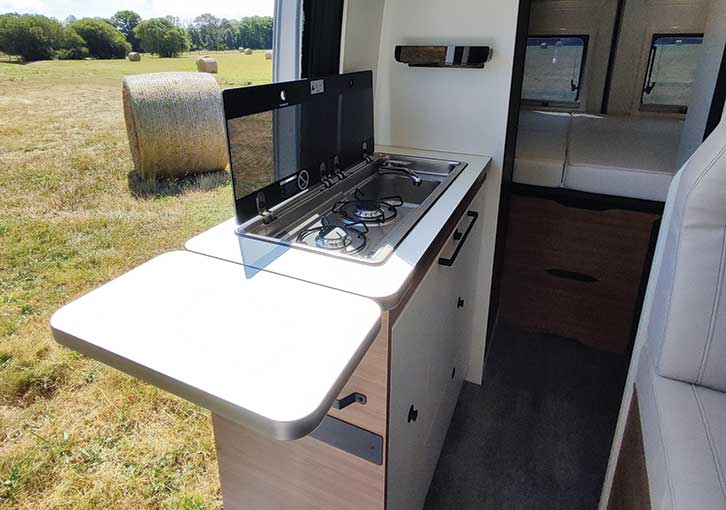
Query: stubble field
column 73, row 432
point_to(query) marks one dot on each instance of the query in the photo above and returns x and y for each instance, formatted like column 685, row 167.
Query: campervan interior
column 615, row 98
column 548, row 331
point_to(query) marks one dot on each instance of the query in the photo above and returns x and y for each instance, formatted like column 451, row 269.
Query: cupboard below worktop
column 411, row 377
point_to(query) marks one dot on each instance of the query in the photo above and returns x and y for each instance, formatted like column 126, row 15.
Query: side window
column 670, row 73
column 553, row 70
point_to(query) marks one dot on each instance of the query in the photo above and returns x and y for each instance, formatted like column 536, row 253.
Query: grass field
column 74, row 433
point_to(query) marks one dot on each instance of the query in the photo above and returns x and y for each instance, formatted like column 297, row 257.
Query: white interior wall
column 699, row 105
column 457, row 110
column 595, row 18
column 641, row 20
column 361, row 36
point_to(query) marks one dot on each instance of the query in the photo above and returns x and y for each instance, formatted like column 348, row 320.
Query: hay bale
column 206, row 64
column 134, row 56
column 175, row 123
column 268, row 55
column 249, row 51
column 240, row 49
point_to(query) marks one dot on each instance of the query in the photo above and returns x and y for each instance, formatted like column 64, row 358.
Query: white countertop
column 270, row 353
column 385, row 283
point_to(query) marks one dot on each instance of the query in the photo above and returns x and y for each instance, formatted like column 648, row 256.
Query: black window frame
column 654, row 107
column 583, row 63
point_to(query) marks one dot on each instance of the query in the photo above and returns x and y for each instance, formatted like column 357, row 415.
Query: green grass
column 73, row 432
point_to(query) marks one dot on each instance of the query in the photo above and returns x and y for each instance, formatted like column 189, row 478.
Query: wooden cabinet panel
column 574, row 272
column 258, row 473
column 370, row 379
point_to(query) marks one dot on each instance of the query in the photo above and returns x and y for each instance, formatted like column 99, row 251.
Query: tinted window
column 671, row 70
column 553, row 69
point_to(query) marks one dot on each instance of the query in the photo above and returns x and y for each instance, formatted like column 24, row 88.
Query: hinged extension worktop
column 270, row 353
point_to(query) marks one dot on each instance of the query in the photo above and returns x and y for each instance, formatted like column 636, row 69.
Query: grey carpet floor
column 537, row 433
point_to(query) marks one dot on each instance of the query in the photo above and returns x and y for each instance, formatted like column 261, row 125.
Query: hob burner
column 371, row 212
column 332, row 237
column 345, row 238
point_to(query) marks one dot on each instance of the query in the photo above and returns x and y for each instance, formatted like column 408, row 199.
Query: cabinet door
column 429, row 358
column 421, row 344
column 457, row 270
column 472, row 291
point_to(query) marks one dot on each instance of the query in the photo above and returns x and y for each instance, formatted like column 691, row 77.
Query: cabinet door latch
column 412, row 414
column 353, row 398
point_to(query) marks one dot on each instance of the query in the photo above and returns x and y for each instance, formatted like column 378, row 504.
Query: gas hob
column 362, row 215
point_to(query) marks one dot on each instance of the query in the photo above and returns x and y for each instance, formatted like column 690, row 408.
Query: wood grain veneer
column 630, row 490
column 371, row 379
column 258, row 473
column 610, row 245
column 306, row 474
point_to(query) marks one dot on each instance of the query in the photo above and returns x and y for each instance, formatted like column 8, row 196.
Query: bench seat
column 632, row 157
column 684, row 438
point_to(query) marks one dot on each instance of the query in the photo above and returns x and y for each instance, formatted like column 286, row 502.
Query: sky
column 186, row 11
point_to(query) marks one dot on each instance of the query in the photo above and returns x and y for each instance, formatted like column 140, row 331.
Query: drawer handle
column 462, row 239
column 572, row 275
column 353, row 398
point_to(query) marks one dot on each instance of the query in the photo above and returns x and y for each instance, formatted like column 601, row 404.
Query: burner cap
column 333, row 237
column 368, row 210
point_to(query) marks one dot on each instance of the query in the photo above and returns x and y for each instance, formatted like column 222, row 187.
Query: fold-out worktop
column 269, row 353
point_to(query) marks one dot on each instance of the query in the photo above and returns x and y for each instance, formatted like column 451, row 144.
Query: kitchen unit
column 411, row 377
column 333, row 322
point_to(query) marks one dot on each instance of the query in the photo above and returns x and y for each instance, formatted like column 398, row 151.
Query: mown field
column 74, row 433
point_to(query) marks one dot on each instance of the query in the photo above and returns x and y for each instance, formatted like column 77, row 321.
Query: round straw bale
column 268, row 55
column 240, row 49
column 206, row 65
column 175, row 123
column 134, row 56
column 249, row 51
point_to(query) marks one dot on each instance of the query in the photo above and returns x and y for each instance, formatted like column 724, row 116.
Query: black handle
column 412, row 414
column 353, row 398
column 649, row 85
column 450, row 262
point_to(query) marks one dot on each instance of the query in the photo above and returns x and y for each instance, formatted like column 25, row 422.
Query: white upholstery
column 622, row 156
column 689, row 307
column 541, row 148
column 682, row 362
column 684, row 437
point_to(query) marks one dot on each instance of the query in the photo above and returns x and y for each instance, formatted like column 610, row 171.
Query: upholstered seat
column 541, row 148
column 681, row 378
column 631, row 157
column 684, row 438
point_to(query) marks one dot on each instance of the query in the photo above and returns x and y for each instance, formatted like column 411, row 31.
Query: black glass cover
column 283, row 137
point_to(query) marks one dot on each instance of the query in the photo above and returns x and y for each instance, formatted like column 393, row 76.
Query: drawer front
column 574, row 272
column 370, row 379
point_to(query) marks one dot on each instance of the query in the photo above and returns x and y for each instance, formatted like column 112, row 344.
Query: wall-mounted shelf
column 468, row 57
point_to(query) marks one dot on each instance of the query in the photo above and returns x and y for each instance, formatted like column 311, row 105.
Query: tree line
column 35, row 37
